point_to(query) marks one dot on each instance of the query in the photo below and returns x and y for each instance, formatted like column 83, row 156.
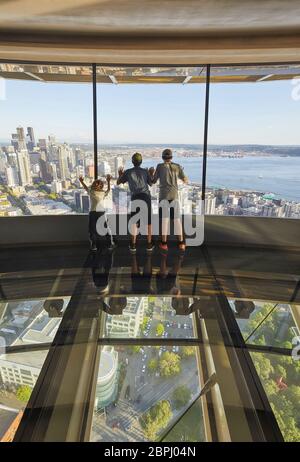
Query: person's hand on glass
column 108, row 178
column 121, row 171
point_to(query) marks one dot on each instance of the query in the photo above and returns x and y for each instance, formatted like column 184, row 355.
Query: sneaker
column 94, row 248
column 182, row 246
column 132, row 247
column 150, row 246
column 163, row 246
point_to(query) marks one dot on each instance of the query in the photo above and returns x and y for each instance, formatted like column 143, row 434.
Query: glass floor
column 113, row 347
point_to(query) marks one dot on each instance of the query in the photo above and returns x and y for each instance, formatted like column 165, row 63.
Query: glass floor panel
column 143, row 391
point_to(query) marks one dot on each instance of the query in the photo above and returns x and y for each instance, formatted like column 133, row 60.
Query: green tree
column 153, row 364
column 23, row 393
column 160, row 329
column 187, row 351
column 135, row 348
column 145, row 322
column 181, row 396
column 169, row 364
column 156, row 419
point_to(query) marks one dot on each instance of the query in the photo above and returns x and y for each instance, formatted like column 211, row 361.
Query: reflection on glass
column 18, row 375
column 148, row 317
column 265, row 323
column 142, row 391
column 189, row 427
column 23, row 323
column 280, row 378
column 26, row 322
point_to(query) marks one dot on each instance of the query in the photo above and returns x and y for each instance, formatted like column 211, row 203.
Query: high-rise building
column 21, row 138
column 210, row 205
column 63, row 162
column 104, row 168
column 12, row 178
column 78, row 200
column 15, row 141
column 118, row 161
column 42, row 144
column 24, row 167
column 30, row 139
column 85, row 203
column 45, row 170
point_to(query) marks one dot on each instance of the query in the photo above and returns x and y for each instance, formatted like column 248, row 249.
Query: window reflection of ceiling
column 147, row 75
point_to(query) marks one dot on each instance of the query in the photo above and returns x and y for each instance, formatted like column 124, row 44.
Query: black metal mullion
column 204, row 162
column 95, row 123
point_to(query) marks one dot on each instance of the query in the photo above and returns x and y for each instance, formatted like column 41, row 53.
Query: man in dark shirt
column 138, row 180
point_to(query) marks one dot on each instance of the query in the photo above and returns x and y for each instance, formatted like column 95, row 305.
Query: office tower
column 78, row 200
column 42, row 144
column 11, row 176
column 78, row 156
column 45, row 171
column 51, row 139
column 63, row 165
column 3, row 161
column 210, row 205
column 15, row 141
column 104, row 168
column 90, row 171
column 30, row 139
column 53, row 170
column 52, row 152
column 118, row 163
column 56, row 187
column 71, row 158
column 21, row 138
column 85, row 203
column 24, row 167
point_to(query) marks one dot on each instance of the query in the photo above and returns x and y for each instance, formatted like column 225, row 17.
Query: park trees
column 181, row 396
column 156, row 419
column 169, row 364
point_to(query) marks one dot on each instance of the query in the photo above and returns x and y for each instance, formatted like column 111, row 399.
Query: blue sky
column 262, row 113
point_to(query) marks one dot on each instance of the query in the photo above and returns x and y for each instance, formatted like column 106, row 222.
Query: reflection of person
column 168, row 173
column 97, row 209
column 138, row 180
column 167, row 281
column 183, row 307
column 101, row 266
column 114, row 305
column 141, row 281
column 54, row 307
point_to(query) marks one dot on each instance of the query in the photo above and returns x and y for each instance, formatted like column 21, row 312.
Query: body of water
column 274, row 174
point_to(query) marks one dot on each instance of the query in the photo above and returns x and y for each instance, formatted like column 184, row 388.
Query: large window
column 147, row 110
column 253, row 152
column 46, row 139
column 49, row 135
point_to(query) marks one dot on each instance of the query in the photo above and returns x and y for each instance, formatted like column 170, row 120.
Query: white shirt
column 97, row 200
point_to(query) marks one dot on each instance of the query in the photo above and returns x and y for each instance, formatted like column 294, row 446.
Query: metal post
column 205, row 132
column 94, row 66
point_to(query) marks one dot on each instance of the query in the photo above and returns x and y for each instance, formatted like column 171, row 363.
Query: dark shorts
column 146, row 198
column 171, row 211
column 93, row 217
